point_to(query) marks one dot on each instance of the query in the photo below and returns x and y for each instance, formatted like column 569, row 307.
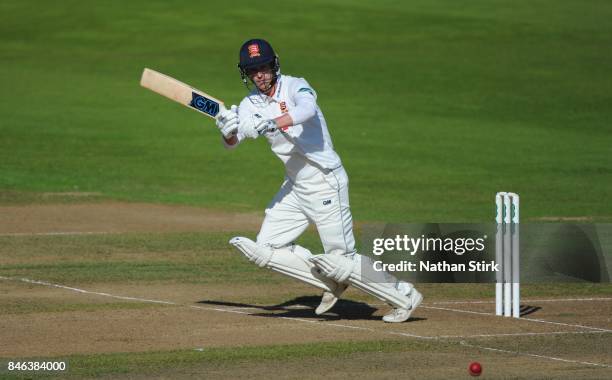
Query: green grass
column 29, row 197
column 28, row 306
column 197, row 258
column 120, row 271
column 199, row 245
column 433, row 105
column 219, row 357
column 315, row 360
column 185, row 258
column 194, row 258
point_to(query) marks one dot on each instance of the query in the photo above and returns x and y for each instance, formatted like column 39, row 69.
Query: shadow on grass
column 526, row 310
column 303, row 307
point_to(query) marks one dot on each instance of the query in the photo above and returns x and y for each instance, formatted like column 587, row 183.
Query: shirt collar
column 279, row 85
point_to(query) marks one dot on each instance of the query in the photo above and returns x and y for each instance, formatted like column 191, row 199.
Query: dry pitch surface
column 564, row 335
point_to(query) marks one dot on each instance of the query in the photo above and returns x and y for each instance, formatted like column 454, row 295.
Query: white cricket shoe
column 398, row 315
column 329, row 299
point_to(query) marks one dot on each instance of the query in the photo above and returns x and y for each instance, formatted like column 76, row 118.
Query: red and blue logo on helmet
column 254, row 54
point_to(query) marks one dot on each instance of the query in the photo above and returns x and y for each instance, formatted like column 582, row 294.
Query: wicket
column 507, row 283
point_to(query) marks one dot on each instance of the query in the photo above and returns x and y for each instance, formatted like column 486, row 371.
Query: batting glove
column 255, row 126
column 227, row 121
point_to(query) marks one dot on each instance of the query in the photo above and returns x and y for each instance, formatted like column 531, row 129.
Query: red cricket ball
column 475, row 369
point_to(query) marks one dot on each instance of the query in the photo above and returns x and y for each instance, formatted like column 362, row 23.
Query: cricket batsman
column 283, row 109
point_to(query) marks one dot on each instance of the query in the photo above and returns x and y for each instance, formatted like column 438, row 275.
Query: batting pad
column 358, row 271
column 292, row 261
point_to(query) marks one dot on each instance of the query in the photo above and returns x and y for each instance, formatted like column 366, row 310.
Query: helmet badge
column 253, row 51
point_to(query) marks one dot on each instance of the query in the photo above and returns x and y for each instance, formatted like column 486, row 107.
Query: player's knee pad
column 258, row 254
column 292, row 261
column 358, row 271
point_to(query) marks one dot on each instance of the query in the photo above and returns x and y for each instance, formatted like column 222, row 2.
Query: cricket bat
column 181, row 93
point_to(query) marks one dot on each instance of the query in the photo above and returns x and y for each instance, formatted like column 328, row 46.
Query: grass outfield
column 159, row 363
column 327, row 360
column 433, row 106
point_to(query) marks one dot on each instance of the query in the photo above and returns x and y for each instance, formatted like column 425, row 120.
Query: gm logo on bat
column 201, row 103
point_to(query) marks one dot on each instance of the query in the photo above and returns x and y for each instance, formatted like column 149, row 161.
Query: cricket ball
column 475, row 369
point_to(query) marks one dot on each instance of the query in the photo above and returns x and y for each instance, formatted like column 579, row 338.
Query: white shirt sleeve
column 305, row 100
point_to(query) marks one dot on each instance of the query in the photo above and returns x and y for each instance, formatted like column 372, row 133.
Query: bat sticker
column 201, row 103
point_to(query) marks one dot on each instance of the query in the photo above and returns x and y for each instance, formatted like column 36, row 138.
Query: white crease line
column 216, row 309
column 519, row 334
column 83, row 291
column 534, row 355
column 87, row 291
column 456, row 310
column 288, row 307
column 601, row 299
column 566, row 324
column 520, row 319
column 325, row 323
column 235, row 311
column 603, row 331
column 526, row 300
column 570, row 299
column 596, row 330
column 411, row 335
column 348, row 326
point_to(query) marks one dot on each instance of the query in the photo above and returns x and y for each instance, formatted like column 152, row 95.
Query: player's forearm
column 284, row 121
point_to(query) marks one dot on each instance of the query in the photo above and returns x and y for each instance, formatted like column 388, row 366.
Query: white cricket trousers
column 321, row 199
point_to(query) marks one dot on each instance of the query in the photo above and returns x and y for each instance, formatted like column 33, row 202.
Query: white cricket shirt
column 306, row 147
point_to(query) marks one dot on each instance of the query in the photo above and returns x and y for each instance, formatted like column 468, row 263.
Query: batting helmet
column 255, row 53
